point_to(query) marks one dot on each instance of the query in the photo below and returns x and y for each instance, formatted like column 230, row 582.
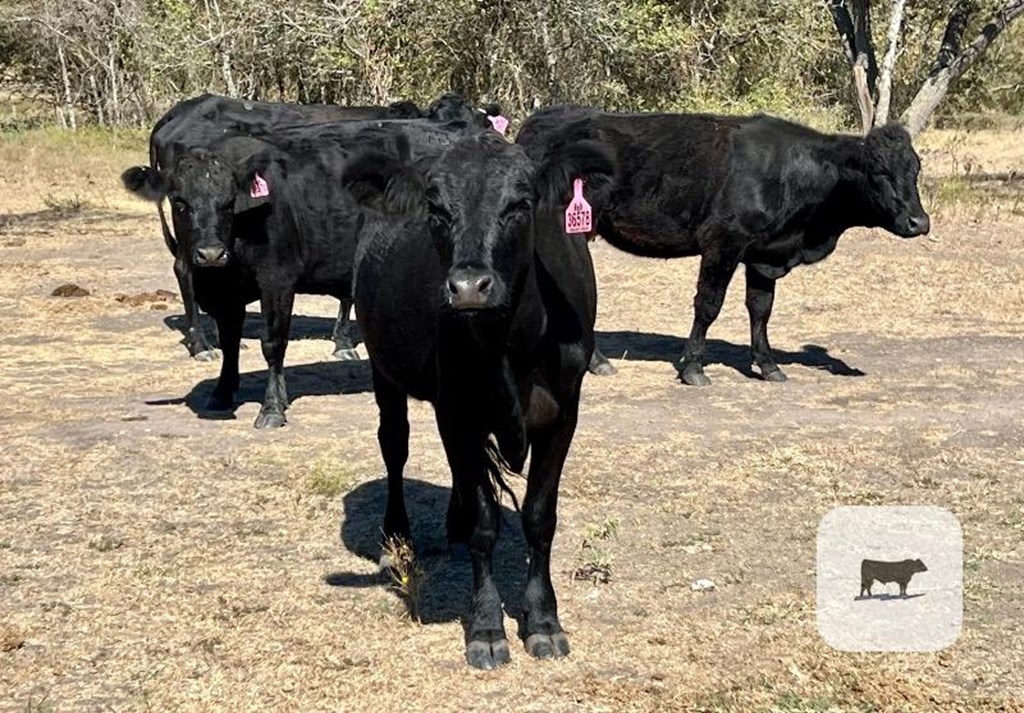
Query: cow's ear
column 592, row 161
column 145, row 182
column 253, row 185
column 386, row 183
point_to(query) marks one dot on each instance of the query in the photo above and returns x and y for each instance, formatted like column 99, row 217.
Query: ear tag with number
column 579, row 218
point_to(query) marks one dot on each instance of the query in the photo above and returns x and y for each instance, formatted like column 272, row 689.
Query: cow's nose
column 919, row 224
column 211, row 256
column 469, row 289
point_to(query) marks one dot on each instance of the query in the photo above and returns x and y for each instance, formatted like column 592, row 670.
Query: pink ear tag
column 578, row 216
column 499, row 123
column 259, row 187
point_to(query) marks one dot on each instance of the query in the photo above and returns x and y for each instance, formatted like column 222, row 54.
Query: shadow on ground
column 445, row 594
column 888, row 597
column 645, row 346
column 325, row 378
column 303, row 327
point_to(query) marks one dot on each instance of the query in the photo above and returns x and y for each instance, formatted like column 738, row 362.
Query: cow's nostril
column 453, row 287
column 484, row 284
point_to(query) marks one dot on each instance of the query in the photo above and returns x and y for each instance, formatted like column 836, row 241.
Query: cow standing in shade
column 754, row 190
column 200, row 123
column 280, row 222
column 471, row 296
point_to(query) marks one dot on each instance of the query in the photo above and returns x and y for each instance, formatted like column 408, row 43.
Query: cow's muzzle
column 470, row 289
column 214, row 256
column 915, row 225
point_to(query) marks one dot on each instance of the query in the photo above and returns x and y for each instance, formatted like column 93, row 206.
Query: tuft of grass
column 595, row 562
column 10, row 639
column 106, row 542
column 407, row 574
column 328, row 479
column 65, row 204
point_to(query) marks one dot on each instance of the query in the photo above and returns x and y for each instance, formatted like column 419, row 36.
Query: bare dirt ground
column 152, row 558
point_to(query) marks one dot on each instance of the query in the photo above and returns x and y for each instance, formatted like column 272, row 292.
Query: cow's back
column 670, row 168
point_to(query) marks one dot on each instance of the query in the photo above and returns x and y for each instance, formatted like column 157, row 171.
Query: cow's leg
column 716, row 269
column 486, row 643
column 346, row 333
column 903, row 588
column 195, row 338
column 277, row 313
column 599, row 364
column 760, row 297
column 393, row 437
column 544, row 637
column 229, row 326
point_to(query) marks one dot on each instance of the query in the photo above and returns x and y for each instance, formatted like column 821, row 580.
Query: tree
column 874, row 86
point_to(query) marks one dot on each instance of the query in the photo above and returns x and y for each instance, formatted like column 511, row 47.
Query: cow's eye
column 516, row 210
column 179, row 205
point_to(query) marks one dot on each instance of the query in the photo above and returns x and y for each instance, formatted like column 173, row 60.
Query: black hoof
column 488, row 655
column 694, row 376
column 220, row 402
column 544, row 646
column 206, row 355
column 345, row 354
column 773, row 374
column 270, row 419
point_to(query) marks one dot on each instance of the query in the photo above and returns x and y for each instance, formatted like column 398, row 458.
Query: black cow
column 201, row 122
column 298, row 238
column 757, row 190
column 885, row 572
column 471, row 296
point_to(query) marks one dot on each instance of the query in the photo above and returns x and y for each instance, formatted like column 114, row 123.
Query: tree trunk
column 937, row 85
column 885, row 75
column 68, row 113
column 855, row 31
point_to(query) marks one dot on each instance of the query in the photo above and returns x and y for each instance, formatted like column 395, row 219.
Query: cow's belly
column 776, row 257
column 650, row 235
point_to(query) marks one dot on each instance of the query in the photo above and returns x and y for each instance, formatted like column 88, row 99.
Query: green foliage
column 128, row 61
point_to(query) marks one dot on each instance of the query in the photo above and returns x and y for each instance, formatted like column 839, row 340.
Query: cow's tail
column 498, row 469
column 169, row 239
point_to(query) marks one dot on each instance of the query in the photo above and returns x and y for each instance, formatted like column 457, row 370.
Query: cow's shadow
column 323, row 378
column 302, row 327
column 645, row 346
column 887, row 597
column 445, row 594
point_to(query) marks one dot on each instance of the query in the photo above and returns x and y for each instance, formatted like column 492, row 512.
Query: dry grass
column 153, row 560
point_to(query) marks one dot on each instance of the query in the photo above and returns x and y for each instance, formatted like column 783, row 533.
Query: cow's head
column 452, row 107
column 206, row 194
column 891, row 168
column 919, row 566
column 485, row 201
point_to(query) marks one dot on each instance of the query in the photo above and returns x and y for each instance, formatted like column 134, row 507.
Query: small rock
column 70, row 289
column 159, row 297
column 11, row 640
column 702, row 585
column 134, row 417
column 13, row 242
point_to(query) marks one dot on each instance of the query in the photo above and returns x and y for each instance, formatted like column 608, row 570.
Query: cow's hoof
column 694, row 377
column 220, row 402
column 774, row 375
column 487, row 655
column 544, row 646
column 269, row 419
column 206, row 355
column 603, row 368
column 346, row 355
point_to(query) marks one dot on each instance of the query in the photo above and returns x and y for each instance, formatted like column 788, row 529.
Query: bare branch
column 937, row 85
column 885, row 75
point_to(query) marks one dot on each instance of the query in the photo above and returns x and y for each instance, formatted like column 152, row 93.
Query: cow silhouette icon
column 872, row 571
